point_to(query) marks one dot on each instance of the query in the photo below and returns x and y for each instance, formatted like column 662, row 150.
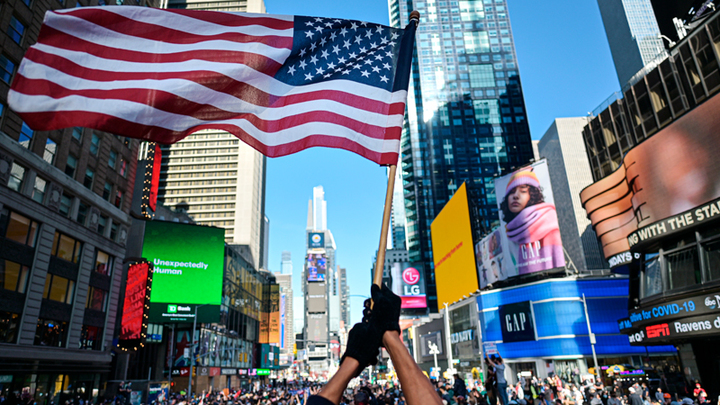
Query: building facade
column 563, row 147
column 287, row 336
column 633, row 35
column 220, row 178
column 466, row 119
column 654, row 202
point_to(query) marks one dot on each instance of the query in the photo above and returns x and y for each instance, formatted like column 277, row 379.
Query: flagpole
column 380, row 261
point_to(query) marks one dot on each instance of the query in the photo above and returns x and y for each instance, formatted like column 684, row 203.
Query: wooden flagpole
column 380, row 261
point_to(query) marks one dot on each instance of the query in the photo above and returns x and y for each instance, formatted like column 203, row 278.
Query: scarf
column 533, row 223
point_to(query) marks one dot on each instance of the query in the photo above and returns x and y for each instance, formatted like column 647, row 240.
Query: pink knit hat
column 523, row 177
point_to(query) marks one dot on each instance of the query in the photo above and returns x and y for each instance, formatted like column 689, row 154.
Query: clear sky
column 566, row 70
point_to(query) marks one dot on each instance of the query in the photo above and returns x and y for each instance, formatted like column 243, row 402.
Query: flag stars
column 336, row 49
column 324, row 54
column 328, row 24
column 331, row 66
column 358, row 39
column 318, row 19
column 378, row 29
column 394, row 36
column 365, row 73
column 314, row 60
column 363, row 50
column 303, row 52
column 319, row 28
column 309, row 23
column 354, row 26
column 376, row 69
column 378, row 57
column 291, row 70
column 323, row 41
column 343, row 32
column 320, row 70
column 308, row 76
column 384, row 40
column 387, row 66
column 341, row 60
column 333, row 35
column 313, row 46
column 368, row 34
column 302, row 64
column 309, row 34
column 384, row 79
column 347, row 44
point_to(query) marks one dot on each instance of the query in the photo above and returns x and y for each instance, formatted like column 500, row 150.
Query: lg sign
column 411, row 276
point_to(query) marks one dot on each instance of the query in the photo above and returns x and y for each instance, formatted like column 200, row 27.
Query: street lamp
column 592, row 337
column 447, row 338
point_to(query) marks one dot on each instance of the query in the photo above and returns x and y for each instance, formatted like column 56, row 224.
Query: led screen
column 188, row 271
column 316, row 267
column 529, row 233
column 136, row 290
column 408, row 282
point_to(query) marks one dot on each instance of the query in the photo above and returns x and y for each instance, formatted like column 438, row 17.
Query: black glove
column 385, row 314
column 361, row 346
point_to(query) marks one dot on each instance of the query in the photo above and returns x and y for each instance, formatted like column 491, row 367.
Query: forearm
column 417, row 387
column 333, row 390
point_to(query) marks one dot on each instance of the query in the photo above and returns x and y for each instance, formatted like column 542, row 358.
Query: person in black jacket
column 459, row 387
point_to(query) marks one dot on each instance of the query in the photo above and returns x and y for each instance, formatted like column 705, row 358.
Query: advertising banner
column 274, row 336
column 188, row 271
column 671, row 175
column 136, row 291
column 316, row 267
column 282, row 321
column 317, row 328
column 453, row 253
column 489, row 256
column 155, row 177
column 316, row 240
column 529, row 230
column 408, row 282
column 316, row 301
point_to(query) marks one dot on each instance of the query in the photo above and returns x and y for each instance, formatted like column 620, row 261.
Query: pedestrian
column 500, row 378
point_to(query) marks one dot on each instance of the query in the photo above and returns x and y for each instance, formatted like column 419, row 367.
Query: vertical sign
column 136, row 293
column 274, row 318
column 155, row 180
column 282, row 321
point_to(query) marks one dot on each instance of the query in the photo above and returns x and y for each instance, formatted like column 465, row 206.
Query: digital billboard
column 315, row 267
column 408, row 281
column 317, row 301
column 317, row 328
column 668, row 176
column 274, row 333
column 489, row 256
column 316, row 240
column 136, row 293
column 529, row 232
column 452, row 244
column 188, row 271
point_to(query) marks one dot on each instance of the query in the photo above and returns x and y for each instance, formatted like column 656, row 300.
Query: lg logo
column 411, row 276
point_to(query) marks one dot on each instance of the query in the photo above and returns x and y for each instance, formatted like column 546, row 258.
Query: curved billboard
column 668, row 174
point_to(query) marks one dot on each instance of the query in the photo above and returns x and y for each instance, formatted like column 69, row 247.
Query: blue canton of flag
column 325, row 49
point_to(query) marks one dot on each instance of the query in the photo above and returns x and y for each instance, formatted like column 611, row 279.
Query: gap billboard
column 188, row 271
column 529, row 234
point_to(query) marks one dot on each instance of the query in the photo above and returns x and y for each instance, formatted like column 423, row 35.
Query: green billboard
column 188, row 261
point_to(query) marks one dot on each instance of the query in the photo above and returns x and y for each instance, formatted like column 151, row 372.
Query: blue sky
column 566, row 70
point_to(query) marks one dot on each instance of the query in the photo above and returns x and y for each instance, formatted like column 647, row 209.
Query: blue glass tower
column 466, row 119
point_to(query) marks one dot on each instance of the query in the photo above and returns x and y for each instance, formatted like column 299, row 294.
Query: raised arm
column 417, row 388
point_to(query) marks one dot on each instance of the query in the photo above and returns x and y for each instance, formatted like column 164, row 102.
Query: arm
column 416, row 387
column 333, row 390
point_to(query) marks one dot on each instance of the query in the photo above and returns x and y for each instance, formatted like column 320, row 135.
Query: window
column 107, row 191
column 77, row 133
column 7, row 68
column 65, row 205
column 66, row 248
column 39, row 189
column 123, row 167
column 118, row 198
column 19, row 228
column 26, row 135
column 683, row 267
column 9, row 324
column 71, row 165
column 59, row 289
column 17, row 175
column 113, row 230
column 95, row 144
column 13, row 276
column 103, row 263
column 89, row 176
column 50, row 150
column 96, row 299
column 50, row 333
column 652, row 275
column 102, row 224
column 16, row 30
column 91, row 338
column 112, row 159
column 82, row 213
column 481, row 76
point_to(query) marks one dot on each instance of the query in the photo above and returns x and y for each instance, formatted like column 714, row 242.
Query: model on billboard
column 489, row 255
column 531, row 224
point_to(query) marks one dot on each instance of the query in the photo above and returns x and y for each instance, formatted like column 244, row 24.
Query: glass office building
column 466, row 119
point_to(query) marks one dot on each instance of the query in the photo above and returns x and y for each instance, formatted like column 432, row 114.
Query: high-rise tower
column 632, row 33
column 466, row 119
column 220, row 178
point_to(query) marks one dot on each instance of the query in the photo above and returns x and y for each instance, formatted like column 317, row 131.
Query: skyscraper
column 287, row 333
column 466, row 119
column 220, row 178
column 286, row 266
column 632, row 33
column 563, row 147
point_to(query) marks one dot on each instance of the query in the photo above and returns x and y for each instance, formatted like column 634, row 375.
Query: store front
column 541, row 329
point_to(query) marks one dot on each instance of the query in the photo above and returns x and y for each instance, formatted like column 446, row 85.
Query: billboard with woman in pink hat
column 528, row 222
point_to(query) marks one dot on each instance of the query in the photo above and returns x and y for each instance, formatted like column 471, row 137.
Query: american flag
column 279, row 83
